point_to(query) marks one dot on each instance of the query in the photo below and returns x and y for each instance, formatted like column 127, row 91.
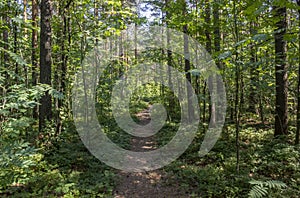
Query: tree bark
column 217, row 34
column 5, row 40
column 15, row 32
column 63, row 67
column 187, row 66
column 25, row 15
column 297, row 141
column 253, row 73
column 237, row 91
column 34, row 46
column 45, row 61
column 208, row 49
column 281, row 111
column 169, row 62
column 26, row 38
column 217, row 48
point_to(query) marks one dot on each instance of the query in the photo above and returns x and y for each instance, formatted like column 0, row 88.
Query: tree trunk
column 63, row 67
column 217, row 35
column 208, row 49
column 5, row 41
column 217, row 48
column 281, row 112
column 187, row 66
column 169, row 62
column 34, row 45
column 45, row 61
column 297, row 141
column 26, row 37
column 25, row 15
column 15, row 32
column 237, row 91
column 253, row 73
column 197, row 78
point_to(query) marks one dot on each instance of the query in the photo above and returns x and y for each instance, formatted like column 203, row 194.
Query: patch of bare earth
column 152, row 184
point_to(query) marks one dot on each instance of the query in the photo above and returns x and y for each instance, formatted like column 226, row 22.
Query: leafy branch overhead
column 48, row 47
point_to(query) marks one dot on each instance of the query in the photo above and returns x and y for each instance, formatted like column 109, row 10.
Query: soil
column 152, row 184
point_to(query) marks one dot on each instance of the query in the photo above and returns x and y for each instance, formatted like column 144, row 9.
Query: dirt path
column 152, row 184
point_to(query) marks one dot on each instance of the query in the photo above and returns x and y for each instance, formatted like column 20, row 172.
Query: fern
column 260, row 188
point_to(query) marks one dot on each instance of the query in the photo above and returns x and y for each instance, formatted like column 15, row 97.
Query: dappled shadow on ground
column 146, row 184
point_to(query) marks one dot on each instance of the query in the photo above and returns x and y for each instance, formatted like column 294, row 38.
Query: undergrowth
column 267, row 168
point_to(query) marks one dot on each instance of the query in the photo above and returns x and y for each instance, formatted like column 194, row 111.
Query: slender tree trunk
column 281, row 111
column 62, row 71
column 253, row 73
column 297, row 141
column 135, row 43
column 208, row 45
column 67, row 91
column 82, row 50
column 15, row 32
column 45, row 61
column 187, row 64
column 25, row 15
column 237, row 90
column 242, row 86
column 64, row 58
column 197, row 78
column 217, row 48
column 217, row 34
column 197, row 34
column 64, row 63
column 232, row 104
column 34, row 46
column 5, row 41
column 26, row 37
column 169, row 61
column 261, row 108
column 204, row 103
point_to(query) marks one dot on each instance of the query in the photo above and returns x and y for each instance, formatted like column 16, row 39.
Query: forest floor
column 146, row 184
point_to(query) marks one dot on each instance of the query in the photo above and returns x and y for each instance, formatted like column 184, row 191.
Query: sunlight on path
column 146, row 184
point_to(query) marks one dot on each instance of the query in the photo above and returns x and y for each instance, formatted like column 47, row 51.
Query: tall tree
column 34, row 47
column 217, row 34
column 15, row 33
column 237, row 88
column 5, row 40
column 169, row 60
column 45, row 60
column 208, row 48
column 62, row 68
column 187, row 64
column 25, row 15
column 281, row 110
column 217, row 48
column 253, row 74
column 26, row 37
column 297, row 141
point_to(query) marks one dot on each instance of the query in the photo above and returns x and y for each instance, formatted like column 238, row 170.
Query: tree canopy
column 252, row 50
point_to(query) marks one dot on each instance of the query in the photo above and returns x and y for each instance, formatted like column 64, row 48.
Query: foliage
column 55, row 163
column 18, row 156
column 268, row 167
column 260, row 188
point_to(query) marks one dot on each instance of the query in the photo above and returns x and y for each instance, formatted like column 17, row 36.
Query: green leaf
column 260, row 37
column 195, row 72
column 225, row 55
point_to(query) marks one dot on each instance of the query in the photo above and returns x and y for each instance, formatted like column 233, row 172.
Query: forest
column 150, row 98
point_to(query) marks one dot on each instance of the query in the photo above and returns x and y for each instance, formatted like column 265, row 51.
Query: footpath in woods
column 151, row 184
